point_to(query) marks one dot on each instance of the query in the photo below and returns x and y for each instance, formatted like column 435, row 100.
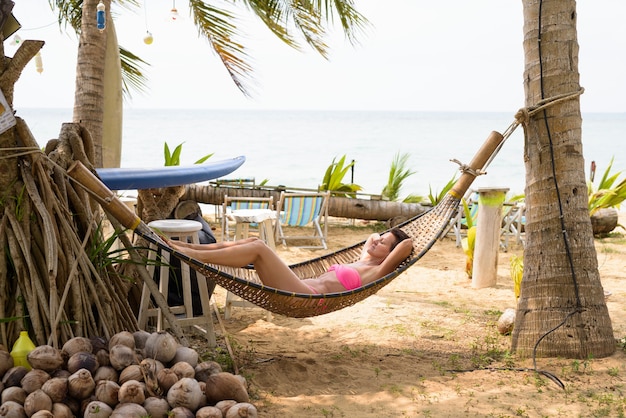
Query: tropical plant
column 333, row 179
column 517, row 273
column 435, row 197
column 605, row 194
column 469, row 242
column 398, row 173
column 173, row 158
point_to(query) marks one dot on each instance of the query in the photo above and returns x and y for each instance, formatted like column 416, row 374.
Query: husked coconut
column 186, row 393
column 123, row 337
column 181, row 412
column 14, row 394
column 186, row 354
column 107, row 391
column 206, row 369
column 34, row 380
column 225, row 405
column 61, row 410
column 42, row 414
column 132, row 372
column 12, row 409
column 131, row 392
column 166, row 379
column 183, row 369
column 6, row 362
column 45, row 357
column 105, row 373
column 56, row 388
column 76, row 345
column 37, row 401
column 129, row 410
column 161, row 346
column 14, row 376
column 122, row 356
column 242, row 409
column 82, row 360
column 157, row 407
column 140, row 338
column 223, row 386
column 209, row 412
column 80, row 385
column 97, row 409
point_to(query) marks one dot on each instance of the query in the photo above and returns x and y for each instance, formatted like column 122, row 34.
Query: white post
column 488, row 225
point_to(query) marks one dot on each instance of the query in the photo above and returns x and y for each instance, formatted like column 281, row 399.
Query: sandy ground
column 392, row 354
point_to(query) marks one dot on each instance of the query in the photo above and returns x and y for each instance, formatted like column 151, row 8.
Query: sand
column 392, row 355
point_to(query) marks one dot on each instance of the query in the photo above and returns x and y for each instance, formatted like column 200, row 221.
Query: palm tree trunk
column 561, row 294
column 90, row 64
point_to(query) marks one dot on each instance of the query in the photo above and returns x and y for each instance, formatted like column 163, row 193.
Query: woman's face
column 381, row 246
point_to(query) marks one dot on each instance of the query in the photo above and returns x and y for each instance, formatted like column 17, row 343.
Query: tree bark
column 561, row 309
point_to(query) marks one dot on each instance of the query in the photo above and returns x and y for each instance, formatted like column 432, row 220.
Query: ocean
column 294, row 148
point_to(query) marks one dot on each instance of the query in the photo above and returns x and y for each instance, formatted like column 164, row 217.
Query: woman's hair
column 400, row 236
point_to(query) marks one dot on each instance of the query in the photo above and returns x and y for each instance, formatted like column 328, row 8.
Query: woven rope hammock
column 424, row 229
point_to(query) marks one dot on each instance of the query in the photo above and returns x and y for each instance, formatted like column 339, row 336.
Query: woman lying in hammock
column 381, row 255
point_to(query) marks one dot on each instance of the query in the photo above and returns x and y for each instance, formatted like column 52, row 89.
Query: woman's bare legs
column 271, row 269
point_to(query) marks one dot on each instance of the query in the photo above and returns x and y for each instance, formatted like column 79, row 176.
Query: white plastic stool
column 184, row 230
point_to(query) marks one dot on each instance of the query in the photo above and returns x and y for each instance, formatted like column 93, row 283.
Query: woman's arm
column 396, row 256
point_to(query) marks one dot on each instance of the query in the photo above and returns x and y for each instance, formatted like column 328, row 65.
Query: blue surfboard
column 150, row 178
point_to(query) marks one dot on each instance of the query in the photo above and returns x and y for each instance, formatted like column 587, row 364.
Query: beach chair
column 298, row 211
column 513, row 222
column 237, row 203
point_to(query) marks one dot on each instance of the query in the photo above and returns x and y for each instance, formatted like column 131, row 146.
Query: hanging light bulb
column 174, row 13
column 101, row 16
column 38, row 62
column 148, row 38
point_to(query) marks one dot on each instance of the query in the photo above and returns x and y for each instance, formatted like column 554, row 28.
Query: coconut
column 6, row 362
column 225, row 405
column 223, row 386
column 140, row 338
column 105, row 373
column 12, row 409
column 124, row 338
column 186, row 393
column 157, row 407
column 102, row 356
column 14, row 376
column 242, row 409
column 107, row 391
column 129, row 410
column 61, row 410
column 45, row 357
column 132, row 372
column 181, row 412
column 56, row 388
column 183, row 369
column 186, row 354
column 97, row 409
column 205, row 369
column 37, row 401
column 33, row 380
column 76, row 345
column 81, row 384
column 14, row 394
column 122, row 356
column 42, row 414
column 209, row 412
column 82, row 360
column 131, row 392
column 166, row 379
column 161, row 346
column 506, row 321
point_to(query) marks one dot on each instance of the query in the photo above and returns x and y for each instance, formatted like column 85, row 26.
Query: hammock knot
column 464, row 168
column 522, row 117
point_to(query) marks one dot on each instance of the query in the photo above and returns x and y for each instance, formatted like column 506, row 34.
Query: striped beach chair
column 299, row 211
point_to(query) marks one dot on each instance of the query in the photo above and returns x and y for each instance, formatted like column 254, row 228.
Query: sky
column 452, row 55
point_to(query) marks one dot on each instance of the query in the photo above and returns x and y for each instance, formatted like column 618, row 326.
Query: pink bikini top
column 348, row 276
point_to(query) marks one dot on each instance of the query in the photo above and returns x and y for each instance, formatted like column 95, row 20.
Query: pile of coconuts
column 138, row 374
